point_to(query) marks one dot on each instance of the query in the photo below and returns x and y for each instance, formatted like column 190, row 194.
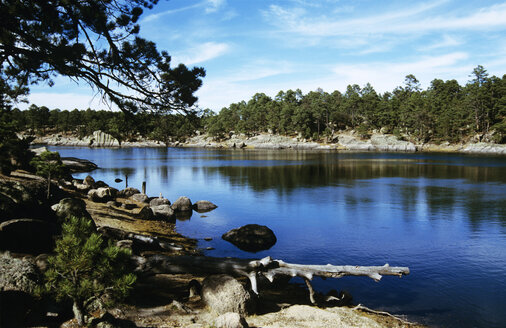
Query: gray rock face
column 182, row 204
column 75, row 165
column 141, row 198
column 230, row 320
column 202, row 206
column 71, row 207
column 223, row 293
column 251, row 237
column 17, row 274
column 127, row 192
column 163, row 212
column 159, row 201
column 30, row 236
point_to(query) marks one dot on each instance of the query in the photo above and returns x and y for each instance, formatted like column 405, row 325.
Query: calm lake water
column 441, row 215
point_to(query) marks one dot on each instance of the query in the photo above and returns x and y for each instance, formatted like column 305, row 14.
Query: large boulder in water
column 30, row 236
column 223, row 294
column 251, row 237
column 182, row 204
column 159, row 201
column 162, row 212
column 202, row 206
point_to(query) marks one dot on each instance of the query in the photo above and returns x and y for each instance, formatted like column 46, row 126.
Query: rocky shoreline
column 344, row 141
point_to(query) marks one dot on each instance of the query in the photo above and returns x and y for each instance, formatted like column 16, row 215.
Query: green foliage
column 85, row 270
column 48, row 164
column 96, row 42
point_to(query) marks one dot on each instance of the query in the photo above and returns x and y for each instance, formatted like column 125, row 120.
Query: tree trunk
column 77, row 308
column 49, row 185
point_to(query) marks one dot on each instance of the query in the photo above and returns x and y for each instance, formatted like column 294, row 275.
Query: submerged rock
column 251, row 237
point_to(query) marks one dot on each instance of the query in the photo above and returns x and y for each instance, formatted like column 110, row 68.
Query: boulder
column 30, row 236
column 141, row 198
column 71, row 207
column 102, row 194
column 182, row 204
column 203, row 206
column 251, row 237
column 230, row 320
column 127, row 192
column 145, row 213
column 223, row 293
column 159, row 201
column 162, row 211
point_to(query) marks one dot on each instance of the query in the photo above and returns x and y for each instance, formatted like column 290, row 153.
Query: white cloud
column 446, row 42
column 406, row 21
column 201, row 53
column 152, row 17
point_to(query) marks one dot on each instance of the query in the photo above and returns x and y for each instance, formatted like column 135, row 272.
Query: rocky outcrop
column 251, row 237
column 203, row 206
column 223, row 293
column 145, row 213
column 484, row 148
column 30, row 236
column 97, row 139
column 182, row 204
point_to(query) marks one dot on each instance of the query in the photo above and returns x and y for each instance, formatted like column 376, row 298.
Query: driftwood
column 253, row 268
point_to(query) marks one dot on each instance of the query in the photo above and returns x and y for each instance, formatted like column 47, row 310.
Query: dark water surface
column 443, row 216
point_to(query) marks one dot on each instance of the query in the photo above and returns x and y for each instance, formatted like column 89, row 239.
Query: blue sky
column 250, row 46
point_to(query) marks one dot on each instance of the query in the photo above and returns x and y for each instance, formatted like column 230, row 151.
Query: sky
column 261, row 46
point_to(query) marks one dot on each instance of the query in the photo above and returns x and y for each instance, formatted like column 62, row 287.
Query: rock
column 18, row 274
column 141, row 198
column 127, row 192
column 208, row 238
column 75, row 165
column 162, row 211
column 100, row 184
column 80, row 186
column 71, row 207
column 251, row 237
column 113, row 203
column 223, row 293
column 102, row 139
column 89, row 181
column 182, row 204
column 118, row 180
column 145, row 213
column 203, row 206
column 24, row 198
column 159, row 201
column 125, row 243
column 230, row 320
column 30, row 236
column 103, row 194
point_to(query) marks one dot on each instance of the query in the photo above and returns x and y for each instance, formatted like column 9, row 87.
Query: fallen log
column 252, row 268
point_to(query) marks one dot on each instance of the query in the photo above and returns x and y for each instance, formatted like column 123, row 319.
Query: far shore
column 344, row 141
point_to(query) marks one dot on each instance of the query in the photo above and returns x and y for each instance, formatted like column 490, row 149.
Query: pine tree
column 83, row 270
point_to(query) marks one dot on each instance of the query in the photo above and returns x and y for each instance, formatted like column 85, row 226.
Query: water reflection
column 443, row 215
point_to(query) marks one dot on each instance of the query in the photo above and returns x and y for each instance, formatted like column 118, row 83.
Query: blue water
column 441, row 215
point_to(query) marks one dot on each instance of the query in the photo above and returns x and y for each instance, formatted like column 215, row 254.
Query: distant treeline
column 446, row 111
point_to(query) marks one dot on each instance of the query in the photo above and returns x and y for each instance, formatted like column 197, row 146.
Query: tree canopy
column 95, row 41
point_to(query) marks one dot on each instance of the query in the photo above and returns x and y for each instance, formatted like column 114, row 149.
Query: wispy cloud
column 299, row 21
column 201, row 53
column 214, row 5
column 152, row 17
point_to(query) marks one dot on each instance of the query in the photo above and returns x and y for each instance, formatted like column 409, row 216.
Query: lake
column 441, row 215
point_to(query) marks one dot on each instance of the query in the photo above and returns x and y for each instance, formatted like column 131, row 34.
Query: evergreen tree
column 85, row 270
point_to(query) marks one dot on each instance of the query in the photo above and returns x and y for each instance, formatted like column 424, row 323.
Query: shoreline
column 345, row 141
